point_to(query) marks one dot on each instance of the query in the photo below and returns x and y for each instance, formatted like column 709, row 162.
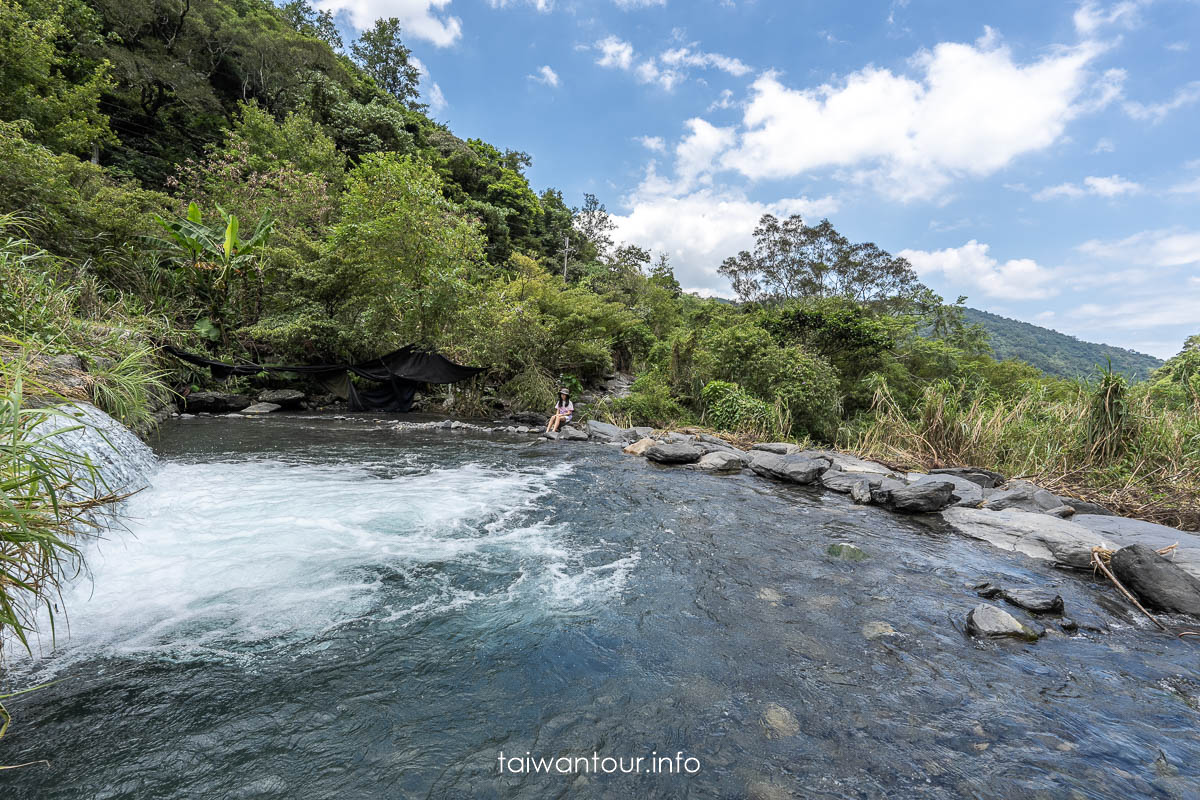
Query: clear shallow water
column 318, row 608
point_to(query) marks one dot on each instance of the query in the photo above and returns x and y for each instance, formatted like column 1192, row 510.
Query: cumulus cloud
column 652, row 143
column 1157, row 112
column 437, row 100
column 545, row 75
column 668, row 68
column 540, row 5
column 1090, row 17
column 1155, row 248
column 971, row 266
column 700, row 229
column 419, row 18
column 1112, row 186
column 970, row 109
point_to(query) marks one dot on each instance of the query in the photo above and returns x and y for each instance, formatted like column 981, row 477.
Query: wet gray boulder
column 1085, row 507
column 1037, row 601
column 284, row 398
column 844, row 462
column 837, row 481
column 1124, row 531
column 969, row 492
column 986, row 478
column 214, row 402
column 1023, row 496
column 990, row 622
column 571, row 434
column 606, row 432
column 720, row 461
column 1160, row 584
column 778, row 448
column 642, row 432
column 669, row 453
column 789, row 468
column 675, row 437
column 916, row 498
column 261, row 408
column 1036, row 535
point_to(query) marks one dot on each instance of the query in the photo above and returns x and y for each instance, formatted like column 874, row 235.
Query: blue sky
column 1042, row 159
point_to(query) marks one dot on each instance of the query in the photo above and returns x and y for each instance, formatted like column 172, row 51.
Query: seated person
column 562, row 412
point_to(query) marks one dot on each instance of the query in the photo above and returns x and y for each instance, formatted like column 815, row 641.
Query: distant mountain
column 1057, row 353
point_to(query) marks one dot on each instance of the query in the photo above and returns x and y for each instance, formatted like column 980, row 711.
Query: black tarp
column 398, row 374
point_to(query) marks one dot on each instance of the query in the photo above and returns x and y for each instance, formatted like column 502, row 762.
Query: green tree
column 384, row 57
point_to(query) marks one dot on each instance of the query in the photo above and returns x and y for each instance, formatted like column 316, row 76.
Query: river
column 309, row 607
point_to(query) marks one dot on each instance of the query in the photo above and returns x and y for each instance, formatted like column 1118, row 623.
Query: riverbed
column 303, row 606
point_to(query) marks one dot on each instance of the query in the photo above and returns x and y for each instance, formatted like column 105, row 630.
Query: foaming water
column 330, row 609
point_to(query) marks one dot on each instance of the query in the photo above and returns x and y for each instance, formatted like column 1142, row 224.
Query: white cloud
column 546, row 75
column 725, row 100
column 1104, row 145
column 970, row 110
column 686, row 57
column 540, row 5
column 615, row 52
column 1112, row 186
column 1178, row 47
column 1157, row 112
column 701, row 229
column 970, row 266
column 1156, row 248
column 639, row 3
column 1090, row 17
column 437, row 100
column 419, row 18
column 652, row 143
column 666, row 69
column 1187, row 187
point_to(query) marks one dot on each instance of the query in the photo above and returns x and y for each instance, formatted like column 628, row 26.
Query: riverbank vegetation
column 235, row 179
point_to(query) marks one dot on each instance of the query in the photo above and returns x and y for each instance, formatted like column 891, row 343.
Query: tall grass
column 1110, row 443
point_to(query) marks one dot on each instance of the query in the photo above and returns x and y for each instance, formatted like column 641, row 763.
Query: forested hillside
column 1057, row 353
column 232, row 178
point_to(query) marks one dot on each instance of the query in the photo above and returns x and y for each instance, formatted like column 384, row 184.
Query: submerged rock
column 721, row 461
column 639, row 447
column 917, row 498
column 214, row 402
column 849, row 552
column 991, row 622
column 1039, row 602
column 1158, row 583
column 1036, row 535
column 790, row 468
column 778, row 722
column 261, row 408
column 674, row 453
column 876, row 629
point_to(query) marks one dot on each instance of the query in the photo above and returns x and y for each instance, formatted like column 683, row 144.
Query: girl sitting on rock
column 562, row 412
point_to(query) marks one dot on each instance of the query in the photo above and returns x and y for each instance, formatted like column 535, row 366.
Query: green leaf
column 205, row 328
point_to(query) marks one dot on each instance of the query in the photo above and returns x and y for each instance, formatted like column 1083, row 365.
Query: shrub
column 728, row 407
column 650, row 403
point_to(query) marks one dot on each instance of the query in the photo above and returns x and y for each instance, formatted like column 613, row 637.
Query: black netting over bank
column 396, row 375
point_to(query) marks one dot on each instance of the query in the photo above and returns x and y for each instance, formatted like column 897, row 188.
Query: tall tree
column 792, row 260
column 307, row 20
column 594, row 222
column 384, row 57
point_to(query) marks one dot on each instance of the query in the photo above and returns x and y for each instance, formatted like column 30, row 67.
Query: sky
column 1040, row 158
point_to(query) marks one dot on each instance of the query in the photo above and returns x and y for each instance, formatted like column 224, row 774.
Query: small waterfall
column 123, row 460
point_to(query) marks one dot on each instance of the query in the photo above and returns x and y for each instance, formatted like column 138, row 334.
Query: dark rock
column 984, row 477
column 606, row 432
column 969, row 492
column 1084, row 507
column 1068, row 625
column 721, row 461
column 1062, row 512
column 917, row 498
column 570, row 434
column 214, row 402
column 1160, row 584
column 285, row 398
column 1123, row 531
column 861, row 492
column 992, row 622
column 675, row 437
column 793, row 468
column 1033, row 600
column 844, row 482
column 674, row 453
column 778, row 448
column 1022, row 496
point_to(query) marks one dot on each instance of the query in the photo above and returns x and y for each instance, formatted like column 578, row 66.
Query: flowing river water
column 320, row 608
